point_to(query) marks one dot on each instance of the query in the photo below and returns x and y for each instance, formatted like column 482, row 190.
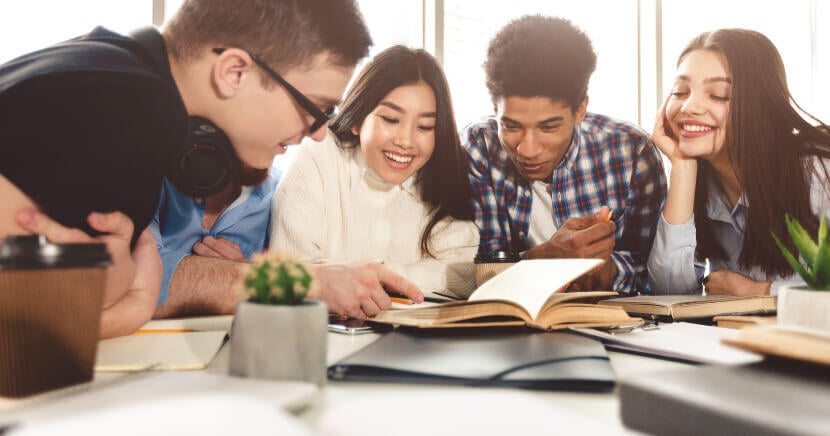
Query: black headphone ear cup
column 208, row 164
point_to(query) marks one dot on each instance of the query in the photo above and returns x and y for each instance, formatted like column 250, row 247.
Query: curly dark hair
column 539, row 56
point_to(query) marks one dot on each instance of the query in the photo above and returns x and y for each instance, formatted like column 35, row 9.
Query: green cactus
column 274, row 278
column 816, row 254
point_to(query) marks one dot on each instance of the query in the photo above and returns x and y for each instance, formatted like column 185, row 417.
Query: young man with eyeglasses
column 90, row 127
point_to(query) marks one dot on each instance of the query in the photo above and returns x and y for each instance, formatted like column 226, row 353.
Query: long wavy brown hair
column 769, row 144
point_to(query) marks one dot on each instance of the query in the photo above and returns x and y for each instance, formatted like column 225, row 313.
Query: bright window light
column 28, row 25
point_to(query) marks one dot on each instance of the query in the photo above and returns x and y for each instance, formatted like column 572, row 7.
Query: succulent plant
column 274, row 278
column 816, row 254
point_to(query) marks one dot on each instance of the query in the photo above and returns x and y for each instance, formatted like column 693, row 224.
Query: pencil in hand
column 406, row 301
column 399, row 298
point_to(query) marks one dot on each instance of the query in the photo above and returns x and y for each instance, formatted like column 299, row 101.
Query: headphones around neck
column 207, row 163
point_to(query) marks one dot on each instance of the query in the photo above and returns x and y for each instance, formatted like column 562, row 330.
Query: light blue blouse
column 672, row 266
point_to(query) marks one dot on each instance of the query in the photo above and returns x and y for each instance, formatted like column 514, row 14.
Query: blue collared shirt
column 177, row 225
column 609, row 162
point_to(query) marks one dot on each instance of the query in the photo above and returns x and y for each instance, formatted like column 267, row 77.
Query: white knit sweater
column 331, row 206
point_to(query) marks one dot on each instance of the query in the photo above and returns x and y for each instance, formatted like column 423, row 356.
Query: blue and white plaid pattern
column 609, row 163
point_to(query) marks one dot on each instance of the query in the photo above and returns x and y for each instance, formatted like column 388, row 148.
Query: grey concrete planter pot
column 802, row 308
column 280, row 342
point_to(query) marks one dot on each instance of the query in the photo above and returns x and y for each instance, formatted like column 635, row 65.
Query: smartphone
column 352, row 326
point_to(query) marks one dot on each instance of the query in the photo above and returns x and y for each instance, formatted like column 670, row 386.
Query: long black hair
column 443, row 182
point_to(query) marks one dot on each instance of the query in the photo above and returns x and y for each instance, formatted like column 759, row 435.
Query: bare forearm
column 202, row 286
column 681, row 196
column 127, row 315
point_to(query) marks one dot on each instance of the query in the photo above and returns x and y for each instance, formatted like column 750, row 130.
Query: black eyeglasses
column 320, row 117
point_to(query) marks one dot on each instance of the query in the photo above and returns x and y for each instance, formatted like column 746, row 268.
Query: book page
column 531, row 282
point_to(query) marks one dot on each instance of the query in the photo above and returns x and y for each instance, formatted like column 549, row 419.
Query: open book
column 679, row 307
column 524, row 294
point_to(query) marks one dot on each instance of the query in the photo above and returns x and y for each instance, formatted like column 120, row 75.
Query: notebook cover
column 773, row 397
column 514, row 357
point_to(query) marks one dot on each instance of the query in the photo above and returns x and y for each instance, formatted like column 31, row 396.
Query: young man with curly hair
column 551, row 179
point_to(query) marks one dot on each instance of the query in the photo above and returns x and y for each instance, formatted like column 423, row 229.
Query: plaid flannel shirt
column 608, row 163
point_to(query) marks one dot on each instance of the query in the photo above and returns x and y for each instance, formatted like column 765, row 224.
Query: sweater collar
column 373, row 180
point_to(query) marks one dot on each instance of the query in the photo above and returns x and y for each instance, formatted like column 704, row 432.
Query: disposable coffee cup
column 488, row 265
column 50, row 307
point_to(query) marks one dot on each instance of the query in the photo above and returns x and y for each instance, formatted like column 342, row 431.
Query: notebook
column 512, row 357
column 159, row 351
column 178, row 344
column 680, row 341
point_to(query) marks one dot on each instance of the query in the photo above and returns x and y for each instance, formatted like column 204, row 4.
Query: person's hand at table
column 134, row 278
column 358, row 290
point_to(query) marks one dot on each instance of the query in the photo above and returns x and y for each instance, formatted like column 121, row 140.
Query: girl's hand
column 726, row 282
column 663, row 137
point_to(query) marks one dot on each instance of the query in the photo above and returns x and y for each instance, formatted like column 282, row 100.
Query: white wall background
column 637, row 41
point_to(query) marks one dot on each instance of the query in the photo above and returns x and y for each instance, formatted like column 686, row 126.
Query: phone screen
column 351, row 326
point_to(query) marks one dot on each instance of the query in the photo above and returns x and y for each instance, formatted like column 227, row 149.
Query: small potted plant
column 276, row 334
column 807, row 306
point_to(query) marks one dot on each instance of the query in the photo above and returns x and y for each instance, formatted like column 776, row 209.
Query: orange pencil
column 152, row 331
column 608, row 217
column 401, row 300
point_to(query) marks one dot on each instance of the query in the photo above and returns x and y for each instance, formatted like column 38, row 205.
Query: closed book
column 686, row 307
column 742, row 321
column 528, row 293
column 514, row 357
column 773, row 397
column 786, row 342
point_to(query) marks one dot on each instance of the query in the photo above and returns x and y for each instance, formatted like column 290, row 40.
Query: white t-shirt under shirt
column 542, row 226
column 331, row 206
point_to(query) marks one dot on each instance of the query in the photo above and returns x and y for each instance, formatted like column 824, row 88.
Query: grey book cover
column 517, row 357
column 773, row 397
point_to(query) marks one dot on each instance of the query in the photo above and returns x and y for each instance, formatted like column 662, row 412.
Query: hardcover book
column 682, row 307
